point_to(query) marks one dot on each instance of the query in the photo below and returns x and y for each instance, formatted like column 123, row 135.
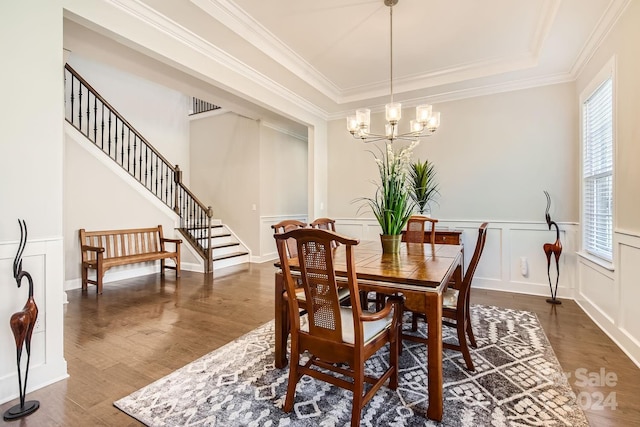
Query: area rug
column 518, row 382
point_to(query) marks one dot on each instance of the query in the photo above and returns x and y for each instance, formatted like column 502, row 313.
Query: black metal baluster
column 129, row 150
column 163, row 180
column 122, row 145
column 80, row 107
column 115, row 137
column 109, row 132
column 156, row 192
column 146, row 164
column 88, row 113
column 135, row 144
column 171, row 182
column 102, row 126
column 72, row 99
column 95, row 119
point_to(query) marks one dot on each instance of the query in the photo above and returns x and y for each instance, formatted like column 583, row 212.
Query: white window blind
column 597, row 185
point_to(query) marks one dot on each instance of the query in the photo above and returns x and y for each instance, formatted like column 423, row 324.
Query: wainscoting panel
column 630, row 288
column 610, row 295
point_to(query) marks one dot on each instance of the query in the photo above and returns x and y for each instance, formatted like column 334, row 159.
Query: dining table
column 419, row 272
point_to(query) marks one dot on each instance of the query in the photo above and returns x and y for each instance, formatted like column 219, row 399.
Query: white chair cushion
column 450, row 298
column 370, row 329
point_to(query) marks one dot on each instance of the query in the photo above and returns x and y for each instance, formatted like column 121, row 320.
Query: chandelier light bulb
column 352, row 124
column 423, row 113
column 363, row 117
column 393, row 112
column 416, row 126
column 434, row 121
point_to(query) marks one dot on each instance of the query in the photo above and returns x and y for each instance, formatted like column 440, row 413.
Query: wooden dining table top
column 417, row 265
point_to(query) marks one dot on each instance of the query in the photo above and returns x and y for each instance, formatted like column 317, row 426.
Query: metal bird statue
column 22, row 324
column 554, row 248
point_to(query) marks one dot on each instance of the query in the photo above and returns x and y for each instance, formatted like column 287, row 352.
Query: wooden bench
column 102, row 250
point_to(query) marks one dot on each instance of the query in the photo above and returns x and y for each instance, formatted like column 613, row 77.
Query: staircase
column 101, row 124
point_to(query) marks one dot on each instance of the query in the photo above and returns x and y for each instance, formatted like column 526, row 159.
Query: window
column 597, row 171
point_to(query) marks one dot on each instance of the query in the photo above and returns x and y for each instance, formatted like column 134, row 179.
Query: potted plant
column 392, row 204
column 423, row 188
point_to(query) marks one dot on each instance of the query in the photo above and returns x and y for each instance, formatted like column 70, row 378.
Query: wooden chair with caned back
column 292, row 252
column 287, row 225
column 455, row 305
column 335, row 335
column 325, row 224
column 416, row 227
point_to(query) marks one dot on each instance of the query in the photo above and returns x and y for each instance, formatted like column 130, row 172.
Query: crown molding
column 440, row 77
column 165, row 25
column 606, row 23
column 281, row 129
column 456, row 95
column 237, row 20
column 548, row 16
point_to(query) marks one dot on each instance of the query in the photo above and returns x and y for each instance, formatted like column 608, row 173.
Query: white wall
column 159, row 113
column 494, row 156
column 31, row 183
column 283, row 182
column 100, row 195
column 225, row 171
column 610, row 295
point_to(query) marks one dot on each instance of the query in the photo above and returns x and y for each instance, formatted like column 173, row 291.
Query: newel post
column 209, row 248
column 177, row 178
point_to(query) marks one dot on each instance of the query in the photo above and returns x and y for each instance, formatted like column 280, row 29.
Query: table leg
column 281, row 329
column 434, row 355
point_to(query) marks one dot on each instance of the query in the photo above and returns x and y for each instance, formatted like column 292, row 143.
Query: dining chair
column 332, row 334
column 416, row 227
column 292, row 252
column 325, row 224
column 456, row 307
column 287, row 225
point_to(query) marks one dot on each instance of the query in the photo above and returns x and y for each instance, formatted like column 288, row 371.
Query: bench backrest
column 117, row 243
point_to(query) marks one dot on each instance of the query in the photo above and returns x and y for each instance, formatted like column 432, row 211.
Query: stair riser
column 226, row 250
column 230, row 262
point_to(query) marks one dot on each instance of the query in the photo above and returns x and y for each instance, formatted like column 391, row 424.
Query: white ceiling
column 335, row 53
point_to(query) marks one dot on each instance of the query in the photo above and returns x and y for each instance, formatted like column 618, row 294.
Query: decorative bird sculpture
column 22, row 324
column 554, row 248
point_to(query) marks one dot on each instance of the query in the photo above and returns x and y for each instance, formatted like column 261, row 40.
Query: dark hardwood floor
column 143, row 329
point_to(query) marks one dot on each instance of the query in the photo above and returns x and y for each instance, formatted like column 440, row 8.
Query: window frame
column 606, row 73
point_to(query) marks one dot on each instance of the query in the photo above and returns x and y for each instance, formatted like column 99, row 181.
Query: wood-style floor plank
column 142, row 329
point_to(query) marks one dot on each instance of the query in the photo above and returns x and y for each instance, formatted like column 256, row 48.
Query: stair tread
column 231, row 255
column 214, row 236
column 225, row 245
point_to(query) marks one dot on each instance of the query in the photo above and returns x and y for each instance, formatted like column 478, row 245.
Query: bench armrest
column 177, row 241
column 92, row 248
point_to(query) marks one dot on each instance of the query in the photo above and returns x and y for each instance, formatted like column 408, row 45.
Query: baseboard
column 627, row 344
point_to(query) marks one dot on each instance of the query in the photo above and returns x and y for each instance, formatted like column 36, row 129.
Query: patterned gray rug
column 518, row 382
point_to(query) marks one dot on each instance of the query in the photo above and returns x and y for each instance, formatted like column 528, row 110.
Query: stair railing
column 95, row 118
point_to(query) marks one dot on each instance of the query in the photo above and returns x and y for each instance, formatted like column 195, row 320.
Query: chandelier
column 425, row 123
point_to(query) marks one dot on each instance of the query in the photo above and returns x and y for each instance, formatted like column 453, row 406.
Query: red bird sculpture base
column 19, row 411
